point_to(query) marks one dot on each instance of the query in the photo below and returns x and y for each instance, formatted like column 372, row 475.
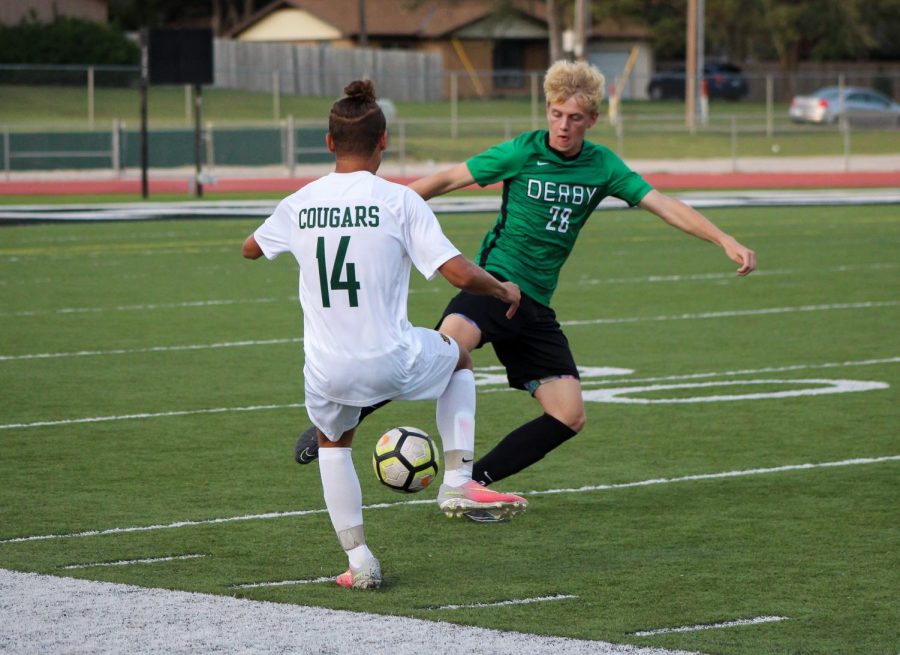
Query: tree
column 220, row 15
column 787, row 30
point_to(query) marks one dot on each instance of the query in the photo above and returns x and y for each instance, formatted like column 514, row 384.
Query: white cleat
column 471, row 496
column 365, row 577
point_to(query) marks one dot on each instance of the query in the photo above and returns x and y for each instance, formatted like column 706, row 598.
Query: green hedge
column 66, row 41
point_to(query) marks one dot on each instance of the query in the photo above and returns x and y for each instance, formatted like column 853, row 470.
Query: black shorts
column 531, row 345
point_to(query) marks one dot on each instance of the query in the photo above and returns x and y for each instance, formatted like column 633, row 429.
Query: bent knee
column 577, row 422
column 574, row 420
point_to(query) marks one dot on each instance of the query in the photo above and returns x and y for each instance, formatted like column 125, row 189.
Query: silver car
column 861, row 106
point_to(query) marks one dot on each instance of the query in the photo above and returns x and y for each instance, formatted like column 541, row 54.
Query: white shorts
column 428, row 377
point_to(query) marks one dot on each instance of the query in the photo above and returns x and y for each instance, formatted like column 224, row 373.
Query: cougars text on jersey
column 358, row 216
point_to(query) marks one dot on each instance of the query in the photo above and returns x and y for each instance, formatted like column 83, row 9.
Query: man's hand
column 512, row 295
column 740, row 254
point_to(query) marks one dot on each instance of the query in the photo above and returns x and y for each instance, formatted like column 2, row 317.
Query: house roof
column 428, row 19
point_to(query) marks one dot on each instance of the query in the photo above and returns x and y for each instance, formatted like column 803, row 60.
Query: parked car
column 860, row 105
column 723, row 80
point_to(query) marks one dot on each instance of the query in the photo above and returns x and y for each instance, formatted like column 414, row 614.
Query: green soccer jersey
column 547, row 199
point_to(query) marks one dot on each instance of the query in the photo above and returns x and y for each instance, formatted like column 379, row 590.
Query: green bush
column 66, row 41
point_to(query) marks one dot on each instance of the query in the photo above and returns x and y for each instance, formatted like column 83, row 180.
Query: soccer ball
column 405, row 460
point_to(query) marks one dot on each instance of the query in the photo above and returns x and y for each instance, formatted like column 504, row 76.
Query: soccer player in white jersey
column 355, row 236
column 553, row 179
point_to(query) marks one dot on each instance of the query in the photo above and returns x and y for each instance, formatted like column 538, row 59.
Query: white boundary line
column 502, row 603
column 820, row 387
column 711, row 626
column 587, row 383
column 442, row 205
column 151, row 349
column 281, row 583
column 717, row 476
column 746, row 371
column 128, row 562
column 587, row 488
column 700, row 277
column 128, row 417
column 737, row 312
column 594, row 321
column 141, row 308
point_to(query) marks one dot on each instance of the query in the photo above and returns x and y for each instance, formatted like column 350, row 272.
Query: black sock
column 365, row 411
column 522, row 447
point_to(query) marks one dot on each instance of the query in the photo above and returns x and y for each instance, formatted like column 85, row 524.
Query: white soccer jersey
column 355, row 236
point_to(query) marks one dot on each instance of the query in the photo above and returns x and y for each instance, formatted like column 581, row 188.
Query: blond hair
column 578, row 79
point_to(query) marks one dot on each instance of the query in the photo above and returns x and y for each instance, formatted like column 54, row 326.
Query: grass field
column 151, row 388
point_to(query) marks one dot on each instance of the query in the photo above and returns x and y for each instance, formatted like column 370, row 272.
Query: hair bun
column 361, row 90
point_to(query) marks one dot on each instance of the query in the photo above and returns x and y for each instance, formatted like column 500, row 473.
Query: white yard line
column 146, row 415
column 151, row 349
column 861, row 461
column 129, row 562
column 711, row 626
column 595, row 321
column 502, row 603
column 145, row 307
column 587, row 383
column 746, row 371
column 282, row 583
column 737, row 312
column 717, row 476
column 695, row 277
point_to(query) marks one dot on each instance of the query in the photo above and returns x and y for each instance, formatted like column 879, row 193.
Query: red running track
column 286, row 185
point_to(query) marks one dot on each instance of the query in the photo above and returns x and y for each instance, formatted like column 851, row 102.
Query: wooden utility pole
column 690, row 66
column 363, row 33
column 553, row 28
column 581, row 29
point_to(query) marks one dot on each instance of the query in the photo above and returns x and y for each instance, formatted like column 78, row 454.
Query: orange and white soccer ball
column 406, row 459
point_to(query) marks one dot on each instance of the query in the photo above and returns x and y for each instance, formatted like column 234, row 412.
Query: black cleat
column 306, row 450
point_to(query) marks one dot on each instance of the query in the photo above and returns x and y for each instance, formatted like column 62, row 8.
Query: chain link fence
column 79, row 117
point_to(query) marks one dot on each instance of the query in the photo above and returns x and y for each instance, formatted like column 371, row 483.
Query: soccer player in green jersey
column 552, row 181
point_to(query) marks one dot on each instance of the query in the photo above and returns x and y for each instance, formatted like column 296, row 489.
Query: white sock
column 343, row 498
column 456, row 424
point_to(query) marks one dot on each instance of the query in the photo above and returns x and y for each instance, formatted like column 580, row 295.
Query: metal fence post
column 620, row 136
column 6, row 150
column 401, row 137
column 841, row 97
column 210, row 147
column 734, row 144
column 188, row 104
column 845, row 129
column 454, row 105
column 276, row 94
column 90, row 91
column 535, row 119
column 770, row 106
column 291, row 147
column 115, row 154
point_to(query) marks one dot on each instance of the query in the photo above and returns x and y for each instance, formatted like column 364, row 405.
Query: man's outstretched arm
column 687, row 219
column 444, row 182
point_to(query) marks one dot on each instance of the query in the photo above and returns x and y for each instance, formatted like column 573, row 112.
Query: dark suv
column 722, row 81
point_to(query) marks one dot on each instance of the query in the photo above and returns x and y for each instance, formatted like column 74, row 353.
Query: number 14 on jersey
column 333, row 282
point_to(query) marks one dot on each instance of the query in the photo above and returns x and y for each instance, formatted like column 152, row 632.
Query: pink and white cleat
column 457, row 501
column 365, row 577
